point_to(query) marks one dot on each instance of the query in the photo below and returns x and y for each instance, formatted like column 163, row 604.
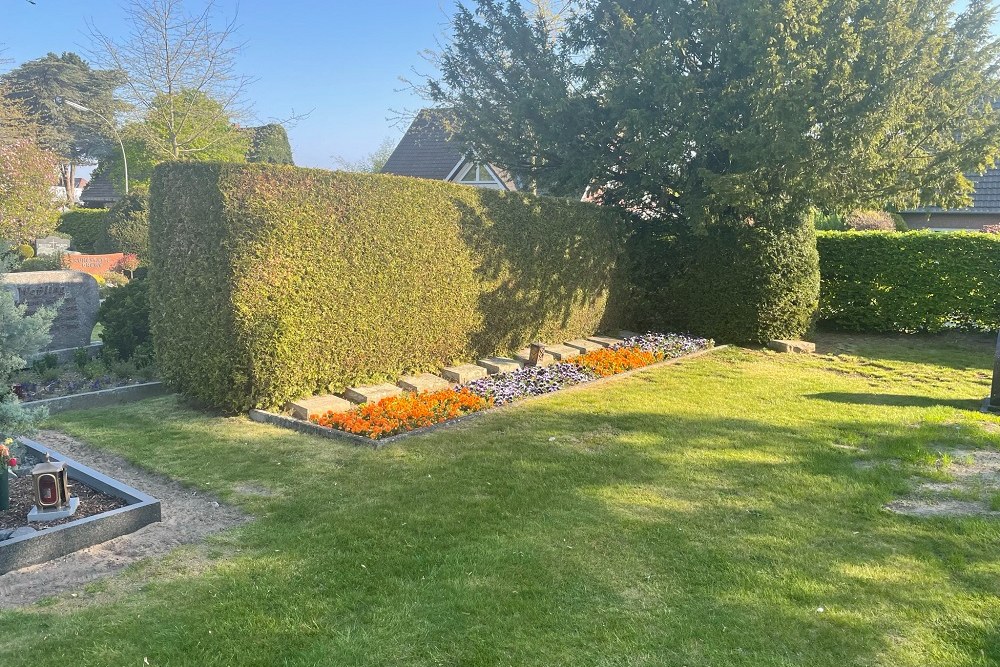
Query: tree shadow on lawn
column 897, row 400
column 687, row 540
column 959, row 351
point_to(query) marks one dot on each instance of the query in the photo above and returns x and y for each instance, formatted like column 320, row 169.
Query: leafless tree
column 174, row 60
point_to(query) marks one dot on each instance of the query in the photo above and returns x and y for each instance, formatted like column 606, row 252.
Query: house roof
column 99, row 191
column 985, row 196
column 427, row 149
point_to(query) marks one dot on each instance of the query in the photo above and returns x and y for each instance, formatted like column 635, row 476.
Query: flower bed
column 48, row 379
column 406, row 412
column 634, row 352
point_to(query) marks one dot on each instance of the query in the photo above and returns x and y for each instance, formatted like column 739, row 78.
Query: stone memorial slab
column 51, row 245
column 494, row 365
column 605, row 341
column 562, row 352
column 584, row 345
column 318, row 405
column 372, row 393
column 792, row 346
column 524, row 356
column 625, row 333
column 74, row 293
column 95, row 265
column 423, row 382
column 463, row 374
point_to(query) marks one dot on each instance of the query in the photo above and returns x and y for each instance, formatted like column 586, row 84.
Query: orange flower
column 406, row 412
column 611, row 361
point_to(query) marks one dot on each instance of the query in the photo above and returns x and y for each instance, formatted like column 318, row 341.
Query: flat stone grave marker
column 605, row 341
column 318, row 405
column 372, row 393
column 792, row 346
column 524, row 356
column 494, row 365
column 562, row 352
column 463, row 374
column 423, row 382
column 584, row 345
column 74, row 292
column 51, row 245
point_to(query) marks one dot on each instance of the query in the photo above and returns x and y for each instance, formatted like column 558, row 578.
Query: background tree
column 269, row 143
column 26, row 174
column 744, row 113
column 75, row 137
column 371, row 163
column 182, row 79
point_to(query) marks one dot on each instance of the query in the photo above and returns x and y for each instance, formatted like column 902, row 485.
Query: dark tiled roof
column 99, row 191
column 426, row 150
column 985, row 196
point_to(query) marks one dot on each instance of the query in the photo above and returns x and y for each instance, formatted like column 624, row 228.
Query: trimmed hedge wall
column 269, row 283
column 883, row 282
column 85, row 226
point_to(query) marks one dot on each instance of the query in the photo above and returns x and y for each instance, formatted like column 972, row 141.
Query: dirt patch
column 22, row 499
column 188, row 517
column 971, row 490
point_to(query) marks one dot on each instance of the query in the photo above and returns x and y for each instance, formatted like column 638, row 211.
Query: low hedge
column 269, row 283
column 883, row 282
column 85, row 226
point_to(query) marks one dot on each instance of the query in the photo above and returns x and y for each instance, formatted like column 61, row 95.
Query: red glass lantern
column 51, row 485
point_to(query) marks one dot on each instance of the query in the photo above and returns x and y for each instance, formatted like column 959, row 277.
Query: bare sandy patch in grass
column 971, row 490
column 188, row 517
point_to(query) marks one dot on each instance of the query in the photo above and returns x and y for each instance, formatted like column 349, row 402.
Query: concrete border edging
column 284, row 421
column 51, row 543
column 102, row 398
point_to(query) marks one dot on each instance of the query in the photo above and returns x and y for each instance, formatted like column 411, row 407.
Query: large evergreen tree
column 75, row 137
column 743, row 114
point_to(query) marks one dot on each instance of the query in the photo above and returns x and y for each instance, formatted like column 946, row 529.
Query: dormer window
column 478, row 174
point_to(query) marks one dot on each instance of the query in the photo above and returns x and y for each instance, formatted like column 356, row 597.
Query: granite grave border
column 50, row 543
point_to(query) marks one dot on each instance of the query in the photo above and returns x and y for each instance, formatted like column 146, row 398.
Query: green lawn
column 699, row 514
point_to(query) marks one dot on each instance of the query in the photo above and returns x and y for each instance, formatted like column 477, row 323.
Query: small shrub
column 867, row 221
column 409, row 411
column 84, row 226
column 127, row 226
column 93, row 369
column 124, row 314
column 26, row 251
column 81, row 358
column 44, row 363
column 46, row 263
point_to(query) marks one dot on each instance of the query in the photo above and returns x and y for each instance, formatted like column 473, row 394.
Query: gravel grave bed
column 22, row 499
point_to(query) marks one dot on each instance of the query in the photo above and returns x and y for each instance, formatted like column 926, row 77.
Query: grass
column 725, row 511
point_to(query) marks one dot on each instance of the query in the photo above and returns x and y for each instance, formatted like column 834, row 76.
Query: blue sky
column 342, row 59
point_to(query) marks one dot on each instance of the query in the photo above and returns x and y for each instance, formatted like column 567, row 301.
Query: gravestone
column 74, row 292
column 51, row 245
column 92, row 264
column 993, row 402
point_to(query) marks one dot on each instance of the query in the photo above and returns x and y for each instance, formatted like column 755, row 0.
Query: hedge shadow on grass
column 897, row 400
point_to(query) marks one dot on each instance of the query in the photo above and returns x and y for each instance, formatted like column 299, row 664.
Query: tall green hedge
column 85, row 226
column 269, row 282
column 909, row 282
column 733, row 281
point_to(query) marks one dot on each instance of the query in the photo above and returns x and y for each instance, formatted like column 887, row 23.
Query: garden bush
column 124, row 315
column 127, row 226
column 909, row 282
column 84, row 226
column 732, row 281
column 269, row 282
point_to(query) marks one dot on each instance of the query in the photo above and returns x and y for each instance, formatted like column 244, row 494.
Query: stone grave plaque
column 75, row 293
column 92, row 264
column 51, row 245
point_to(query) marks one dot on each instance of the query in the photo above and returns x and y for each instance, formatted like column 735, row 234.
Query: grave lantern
column 536, row 352
column 51, row 485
